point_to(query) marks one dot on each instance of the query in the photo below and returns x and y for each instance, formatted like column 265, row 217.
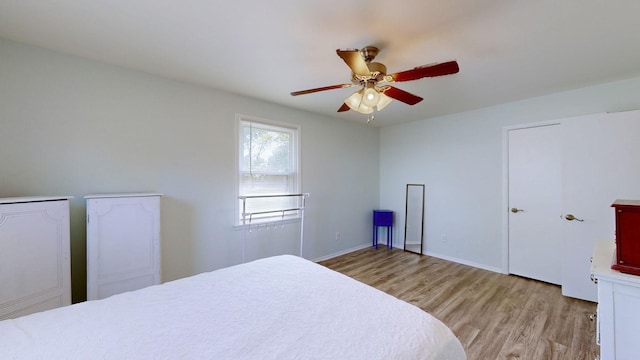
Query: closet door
column 123, row 243
column 34, row 255
column 600, row 165
column 535, row 202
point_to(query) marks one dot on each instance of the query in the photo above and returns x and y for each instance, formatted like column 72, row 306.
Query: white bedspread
column 282, row 307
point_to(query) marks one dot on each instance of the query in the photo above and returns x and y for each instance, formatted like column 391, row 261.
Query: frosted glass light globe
column 370, row 97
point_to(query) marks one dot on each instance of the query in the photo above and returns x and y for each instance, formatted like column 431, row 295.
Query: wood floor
column 495, row 316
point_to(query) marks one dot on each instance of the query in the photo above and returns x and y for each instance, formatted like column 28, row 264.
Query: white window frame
column 294, row 186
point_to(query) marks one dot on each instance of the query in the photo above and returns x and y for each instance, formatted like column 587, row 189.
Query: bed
column 282, row 307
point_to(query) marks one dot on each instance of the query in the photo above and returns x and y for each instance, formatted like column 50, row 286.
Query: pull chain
column 370, row 118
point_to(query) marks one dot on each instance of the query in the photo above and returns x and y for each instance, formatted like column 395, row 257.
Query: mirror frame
column 421, row 188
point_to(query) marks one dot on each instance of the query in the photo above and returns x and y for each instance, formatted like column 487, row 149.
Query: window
column 268, row 164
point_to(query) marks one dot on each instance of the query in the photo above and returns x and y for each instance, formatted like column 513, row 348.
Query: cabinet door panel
column 34, row 257
column 626, row 301
column 123, row 244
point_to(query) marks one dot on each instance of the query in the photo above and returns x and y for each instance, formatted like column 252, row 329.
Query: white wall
column 459, row 159
column 70, row 126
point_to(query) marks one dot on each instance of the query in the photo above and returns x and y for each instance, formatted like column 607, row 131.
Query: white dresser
column 618, row 306
column 35, row 266
column 123, row 243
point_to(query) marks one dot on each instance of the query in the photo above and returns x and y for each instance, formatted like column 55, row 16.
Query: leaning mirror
column 414, row 218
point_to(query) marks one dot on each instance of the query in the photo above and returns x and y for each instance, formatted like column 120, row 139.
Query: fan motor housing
column 377, row 73
column 380, row 69
column 369, row 53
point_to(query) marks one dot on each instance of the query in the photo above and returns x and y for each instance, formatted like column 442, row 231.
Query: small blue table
column 383, row 218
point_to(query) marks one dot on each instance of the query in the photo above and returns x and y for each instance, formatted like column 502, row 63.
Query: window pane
column 268, row 166
column 262, row 184
column 266, row 151
column 271, row 207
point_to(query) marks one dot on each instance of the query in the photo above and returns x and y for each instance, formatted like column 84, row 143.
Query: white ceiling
column 507, row 49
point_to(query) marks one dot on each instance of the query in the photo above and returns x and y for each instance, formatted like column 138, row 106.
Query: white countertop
column 117, row 195
column 23, row 199
column 604, row 256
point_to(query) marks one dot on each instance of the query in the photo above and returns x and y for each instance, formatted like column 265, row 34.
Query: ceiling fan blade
column 309, row 91
column 344, row 107
column 355, row 61
column 401, row 95
column 446, row 68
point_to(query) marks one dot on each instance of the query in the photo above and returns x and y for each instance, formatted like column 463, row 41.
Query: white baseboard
column 465, row 262
column 331, row 256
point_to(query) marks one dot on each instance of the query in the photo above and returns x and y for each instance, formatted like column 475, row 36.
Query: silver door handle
column 516, row 210
column 570, row 217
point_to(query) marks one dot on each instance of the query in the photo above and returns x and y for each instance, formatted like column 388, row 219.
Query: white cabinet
column 123, row 243
column 35, row 270
column 618, row 306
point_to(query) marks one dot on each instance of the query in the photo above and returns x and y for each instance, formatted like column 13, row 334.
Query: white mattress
column 282, row 307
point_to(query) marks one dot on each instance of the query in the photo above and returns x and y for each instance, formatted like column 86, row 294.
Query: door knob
column 570, row 217
column 515, row 210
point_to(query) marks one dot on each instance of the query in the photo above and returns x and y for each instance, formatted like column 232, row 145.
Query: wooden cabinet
column 618, row 306
column 627, row 236
column 35, row 270
column 123, row 243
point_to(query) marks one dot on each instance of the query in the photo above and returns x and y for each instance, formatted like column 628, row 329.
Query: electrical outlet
column 444, row 237
column 337, row 236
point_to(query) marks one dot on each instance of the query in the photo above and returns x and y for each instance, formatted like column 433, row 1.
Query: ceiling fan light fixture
column 383, row 102
column 355, row 102
column 370, row 97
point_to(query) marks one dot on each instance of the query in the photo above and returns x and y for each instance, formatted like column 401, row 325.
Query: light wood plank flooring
column 495, row 316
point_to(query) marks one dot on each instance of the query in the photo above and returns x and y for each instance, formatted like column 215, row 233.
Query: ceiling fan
column 371, row 76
